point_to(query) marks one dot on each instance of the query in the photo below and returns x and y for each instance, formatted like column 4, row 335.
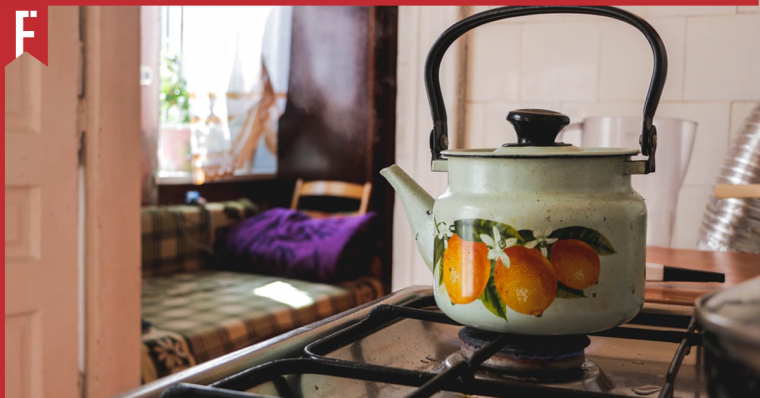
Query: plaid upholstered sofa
column 193, row 312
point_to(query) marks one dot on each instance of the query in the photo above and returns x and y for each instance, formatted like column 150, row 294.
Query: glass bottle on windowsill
column 198, row 148
column 211, row 146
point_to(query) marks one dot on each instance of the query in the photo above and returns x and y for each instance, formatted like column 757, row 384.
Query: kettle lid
column 537, row 130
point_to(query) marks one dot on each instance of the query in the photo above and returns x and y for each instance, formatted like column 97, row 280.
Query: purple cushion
column 291, row 244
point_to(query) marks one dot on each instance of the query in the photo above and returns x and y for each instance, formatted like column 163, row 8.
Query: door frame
column 110, row 121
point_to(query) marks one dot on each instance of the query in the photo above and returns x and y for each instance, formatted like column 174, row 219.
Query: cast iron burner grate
column 457, row 376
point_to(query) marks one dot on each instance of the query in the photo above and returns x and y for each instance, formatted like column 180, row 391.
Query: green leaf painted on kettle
column 594, row 238
column 491, row 299
column 443, row 233
column 466, row 231
column 471, row 229
column 438, row 250
column 566, row 292
column 526, row 235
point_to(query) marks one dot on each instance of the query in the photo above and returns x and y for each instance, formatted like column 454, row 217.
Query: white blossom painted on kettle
column 496, row 246
column 542, row 240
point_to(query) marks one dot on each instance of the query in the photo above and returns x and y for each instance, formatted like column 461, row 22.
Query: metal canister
column 733, row 224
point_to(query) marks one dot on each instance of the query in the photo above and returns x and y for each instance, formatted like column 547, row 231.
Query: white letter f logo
column 20, row 32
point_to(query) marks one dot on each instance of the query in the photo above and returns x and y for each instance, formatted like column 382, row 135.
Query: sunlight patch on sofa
column 284, row 293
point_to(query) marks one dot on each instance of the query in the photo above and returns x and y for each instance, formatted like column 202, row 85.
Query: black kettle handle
column 439, row 136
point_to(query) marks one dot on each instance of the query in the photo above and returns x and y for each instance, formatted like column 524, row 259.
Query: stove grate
column 457, row 377
column 277, row 370
column 681, row 352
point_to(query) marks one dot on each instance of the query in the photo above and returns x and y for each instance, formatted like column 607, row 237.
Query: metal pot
column 730, row 321
column 535, row 237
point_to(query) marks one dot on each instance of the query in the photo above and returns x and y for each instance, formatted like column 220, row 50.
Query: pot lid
column 537, row 130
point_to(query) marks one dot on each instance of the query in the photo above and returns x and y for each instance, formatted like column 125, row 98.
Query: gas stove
column 403, row 346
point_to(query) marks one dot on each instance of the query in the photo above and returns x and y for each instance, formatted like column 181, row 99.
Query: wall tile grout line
column 685, row 57
column 599, row 62
column 521, row 60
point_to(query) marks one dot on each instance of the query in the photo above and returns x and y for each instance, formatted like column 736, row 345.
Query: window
column 223, row 86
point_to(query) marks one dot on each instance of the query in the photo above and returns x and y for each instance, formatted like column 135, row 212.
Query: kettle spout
column 418, row 205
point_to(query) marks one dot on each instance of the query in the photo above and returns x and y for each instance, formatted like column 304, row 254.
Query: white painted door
column 41, row 289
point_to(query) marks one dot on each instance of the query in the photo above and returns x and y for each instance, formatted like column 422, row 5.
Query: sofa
column 194, row 310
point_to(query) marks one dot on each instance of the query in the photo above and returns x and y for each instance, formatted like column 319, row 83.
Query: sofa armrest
column 179, row 238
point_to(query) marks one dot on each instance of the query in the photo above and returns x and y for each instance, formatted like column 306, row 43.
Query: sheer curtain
column 236, row 61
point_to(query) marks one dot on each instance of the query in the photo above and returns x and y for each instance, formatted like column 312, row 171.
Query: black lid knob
column 537, row 127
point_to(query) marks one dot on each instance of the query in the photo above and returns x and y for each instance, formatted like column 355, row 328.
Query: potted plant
column 174, row 115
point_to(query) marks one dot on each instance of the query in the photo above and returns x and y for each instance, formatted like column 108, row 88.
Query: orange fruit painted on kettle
column 576, row 263
column 466, row 269
column 529, row 285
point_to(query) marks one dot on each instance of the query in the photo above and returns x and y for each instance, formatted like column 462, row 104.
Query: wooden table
column 738, row 267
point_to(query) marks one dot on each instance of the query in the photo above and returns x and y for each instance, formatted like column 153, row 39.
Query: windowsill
column 186, row 178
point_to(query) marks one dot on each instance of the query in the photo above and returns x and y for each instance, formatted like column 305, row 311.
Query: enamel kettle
column 536, row 237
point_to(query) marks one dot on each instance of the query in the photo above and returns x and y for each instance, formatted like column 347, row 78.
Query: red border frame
column 7, row 10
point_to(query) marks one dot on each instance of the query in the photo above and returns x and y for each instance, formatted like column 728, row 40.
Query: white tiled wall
column 591, row 66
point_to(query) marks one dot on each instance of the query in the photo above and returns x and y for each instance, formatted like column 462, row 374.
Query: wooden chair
column 333, row 188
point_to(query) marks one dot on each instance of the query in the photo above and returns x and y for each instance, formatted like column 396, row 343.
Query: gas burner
column 529, row 354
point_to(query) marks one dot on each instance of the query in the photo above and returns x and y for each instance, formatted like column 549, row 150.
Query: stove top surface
column 414, row 350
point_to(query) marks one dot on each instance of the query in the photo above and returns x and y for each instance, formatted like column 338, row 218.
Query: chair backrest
column 333, row 188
